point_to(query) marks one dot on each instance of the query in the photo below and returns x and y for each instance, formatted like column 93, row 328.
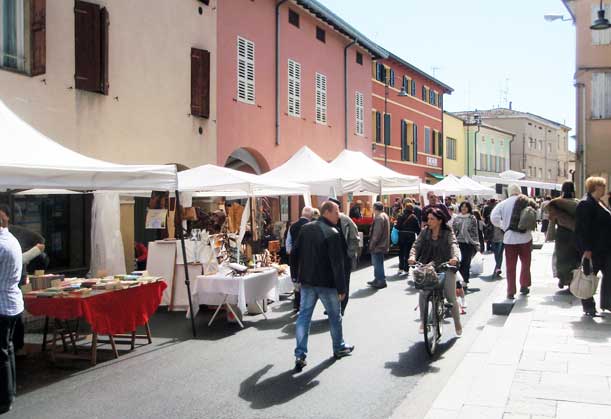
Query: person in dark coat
column 434, row 203
column 561, row 229
column 292, row 237
column 318, row 261
column 593, row 233
column 408, row 225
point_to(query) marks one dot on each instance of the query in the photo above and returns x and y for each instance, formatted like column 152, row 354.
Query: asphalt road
column 232, row 373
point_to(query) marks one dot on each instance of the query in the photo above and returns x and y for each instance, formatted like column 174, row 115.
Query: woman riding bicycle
column 437, row 244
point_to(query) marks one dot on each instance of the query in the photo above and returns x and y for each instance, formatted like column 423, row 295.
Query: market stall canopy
column 450, row 185
column 526, row 183
column 308, row 168
column 476, row 188
column 29, row 159
column 211, row 180
column 512, row 174
column 373, row 176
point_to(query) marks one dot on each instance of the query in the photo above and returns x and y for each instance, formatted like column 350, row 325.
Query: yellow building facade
column 454, row 154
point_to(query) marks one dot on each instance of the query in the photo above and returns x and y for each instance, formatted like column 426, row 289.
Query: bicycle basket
column 425, row 277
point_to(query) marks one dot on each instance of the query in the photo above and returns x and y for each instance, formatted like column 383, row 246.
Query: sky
column 489, row 51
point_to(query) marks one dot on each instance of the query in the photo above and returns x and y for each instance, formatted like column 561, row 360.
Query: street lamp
column 601, row 23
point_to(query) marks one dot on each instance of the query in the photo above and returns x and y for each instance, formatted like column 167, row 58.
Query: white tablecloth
column 241, row 290
column 285, row 285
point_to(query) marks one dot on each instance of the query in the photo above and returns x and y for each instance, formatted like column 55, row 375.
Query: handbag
column 394, row 236
column 584, row 286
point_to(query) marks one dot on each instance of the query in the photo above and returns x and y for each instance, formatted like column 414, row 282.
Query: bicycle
column 434, row 309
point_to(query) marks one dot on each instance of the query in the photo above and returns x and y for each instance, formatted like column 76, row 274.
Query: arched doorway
column 247, row 160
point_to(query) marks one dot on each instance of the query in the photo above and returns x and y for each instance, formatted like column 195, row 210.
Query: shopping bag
column 584, row 286
column 209, row 262
column 477, row 264
column 394, row 236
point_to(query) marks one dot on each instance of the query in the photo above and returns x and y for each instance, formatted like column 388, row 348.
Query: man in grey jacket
column 379, row 244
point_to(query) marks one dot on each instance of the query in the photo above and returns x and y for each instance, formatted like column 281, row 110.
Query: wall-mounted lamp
column 601, row 23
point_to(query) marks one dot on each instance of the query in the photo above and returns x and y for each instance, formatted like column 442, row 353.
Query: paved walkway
column 543, row 361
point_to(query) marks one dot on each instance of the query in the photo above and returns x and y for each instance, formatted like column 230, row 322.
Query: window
column 413, row 87
column 294, row 88
column 387, row 125
column 601, row 95
column 427, row 140
column 406, row 85
column 380, row 72
column 483, row 162
column 360, row 113
column 321, row 98
column 601, row 37
column 404, row 141
column 431, row 97
column 91, row 47
column 424, row 90
column 320, row 34
column 378, row 127
column 246, row 70
column 492, row 141
column 541, row 145
column 440, row 100
column 200, row 82
column 530, row 171
column 540, row 173
column 451, row 148
column 293, row 18
column 23, row 36
column 549, row 147
column 549, row 173
column 391, row 76
column 359, row 58
column 491, row 163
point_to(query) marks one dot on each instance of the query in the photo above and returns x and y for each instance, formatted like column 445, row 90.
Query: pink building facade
column 324, row 83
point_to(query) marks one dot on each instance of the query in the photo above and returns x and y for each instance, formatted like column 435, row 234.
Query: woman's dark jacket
column 593, row 227
column 426, row 250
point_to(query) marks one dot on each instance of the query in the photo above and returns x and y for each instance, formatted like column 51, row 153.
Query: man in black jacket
column 317, row 259
column 292, row 237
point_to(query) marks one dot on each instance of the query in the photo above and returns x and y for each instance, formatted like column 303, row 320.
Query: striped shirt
column 11, row 299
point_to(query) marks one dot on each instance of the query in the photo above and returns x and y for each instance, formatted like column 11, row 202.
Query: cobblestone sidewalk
column 543, row 361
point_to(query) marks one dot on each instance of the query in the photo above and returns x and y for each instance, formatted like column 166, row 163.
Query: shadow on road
column 363, row 293
column 282, row 388
column 416, row 360
column 316, row 327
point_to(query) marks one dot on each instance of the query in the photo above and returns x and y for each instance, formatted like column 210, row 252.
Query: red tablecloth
column 112, row 312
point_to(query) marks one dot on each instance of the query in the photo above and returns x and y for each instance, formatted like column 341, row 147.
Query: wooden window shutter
column 91, row 47
column 415, row 143
column 413, row 87
column 37, row 37
column 104, row 24
column 200, row 82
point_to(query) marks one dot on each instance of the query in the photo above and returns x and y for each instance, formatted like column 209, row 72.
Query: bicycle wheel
column 431, row 324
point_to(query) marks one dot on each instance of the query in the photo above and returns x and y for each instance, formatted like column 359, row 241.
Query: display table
column 108, row 312
column 285, row 285
column 224, row 289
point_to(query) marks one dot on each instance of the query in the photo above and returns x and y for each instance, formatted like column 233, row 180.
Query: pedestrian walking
column 480, row 228
column 465, row 230
column 593, row 232
column 562, row 214
column 434, row 203
column 318, row 260
column 379, row 244
column 408, row 225
column 292, row 237
column 437, row 244
column 488, row 227
column 350, row 234
column 11, row 307
column 497, row 247
column 545, row 214
column 507, row 215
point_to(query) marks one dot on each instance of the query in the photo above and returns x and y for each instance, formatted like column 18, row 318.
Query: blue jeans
column 377, row 259
column 330, row 300
column 497, row 248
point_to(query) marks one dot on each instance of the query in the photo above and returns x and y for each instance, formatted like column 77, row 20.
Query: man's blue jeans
column 497, row 248
column 330, row 300
column 377, row 259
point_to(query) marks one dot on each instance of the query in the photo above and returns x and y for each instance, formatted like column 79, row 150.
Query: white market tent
column 211, row 180
column 375, row 177
column 450, row 185
column 526, row 183
column 29, row 160
column 476, row 188
column 308, row 168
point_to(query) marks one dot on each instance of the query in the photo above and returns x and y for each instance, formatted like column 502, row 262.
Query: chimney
column 510, row 105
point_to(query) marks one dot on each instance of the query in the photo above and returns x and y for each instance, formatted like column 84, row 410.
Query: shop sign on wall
column 432, row 161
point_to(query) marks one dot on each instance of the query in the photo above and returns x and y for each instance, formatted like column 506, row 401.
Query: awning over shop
column 437, row 176
column 29, row 159
column 526, row 183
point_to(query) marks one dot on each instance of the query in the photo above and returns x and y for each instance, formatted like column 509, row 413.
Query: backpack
column 524, row 216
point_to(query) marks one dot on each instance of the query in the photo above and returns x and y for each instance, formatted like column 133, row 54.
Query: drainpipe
column 346, row 93
column 580, row 149
column 475, row 141
column 278, row 70
column 468, row 155
column 524, row 153
column 443, row 144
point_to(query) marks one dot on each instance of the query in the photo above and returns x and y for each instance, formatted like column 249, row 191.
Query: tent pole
column 181, row 236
